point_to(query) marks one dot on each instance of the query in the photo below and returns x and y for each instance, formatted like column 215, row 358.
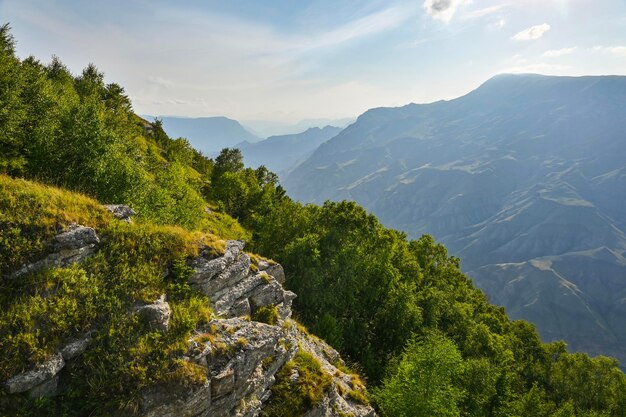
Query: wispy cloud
column 619, row 51
column 537, row 68
column 374, row 23
column 555, row 53
column 443, row 10
column 475, row 14
column 532, row 33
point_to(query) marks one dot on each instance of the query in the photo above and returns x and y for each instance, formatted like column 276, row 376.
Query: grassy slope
column 44, row 310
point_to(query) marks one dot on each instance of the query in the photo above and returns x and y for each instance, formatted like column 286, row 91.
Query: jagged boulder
column 76, row 237
column 156, row 315
column 241, row 356
column 233, row 288
column 241, row 362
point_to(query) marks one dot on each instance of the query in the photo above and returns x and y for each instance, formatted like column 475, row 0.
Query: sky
column 289, row 60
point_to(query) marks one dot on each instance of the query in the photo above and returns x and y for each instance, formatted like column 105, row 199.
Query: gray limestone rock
column 71, row 246
column 121, row 211
column 76, row 237
column 176, row 401
column 157, row 314
column 223, row 384
column 30, row 379
column 76, row 347
column 47, row 388
column 277, row 271
column 212, row 275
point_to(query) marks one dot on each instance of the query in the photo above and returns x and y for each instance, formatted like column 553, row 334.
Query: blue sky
column 288, row 60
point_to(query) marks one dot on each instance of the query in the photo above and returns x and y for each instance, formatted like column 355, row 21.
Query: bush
column 266, row 314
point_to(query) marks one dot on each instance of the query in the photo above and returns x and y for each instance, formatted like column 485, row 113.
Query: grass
column 32, row 214
column 266, row 314
column 41, row 311
column 294, row 399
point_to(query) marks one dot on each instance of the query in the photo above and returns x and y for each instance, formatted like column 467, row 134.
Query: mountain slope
column 279, row 153
column 208, row 134
column 523, row 168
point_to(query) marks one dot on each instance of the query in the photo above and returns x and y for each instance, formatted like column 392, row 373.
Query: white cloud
column 555, row 53
column 443, row 10
column 475, row 14
column 500, row 23
column 532, row 33
column 619, row 51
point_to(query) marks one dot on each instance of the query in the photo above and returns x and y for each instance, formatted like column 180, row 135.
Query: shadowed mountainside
column 280, row 153
column 523, row 178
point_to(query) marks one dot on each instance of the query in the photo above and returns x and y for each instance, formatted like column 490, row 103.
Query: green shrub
column 266, row 314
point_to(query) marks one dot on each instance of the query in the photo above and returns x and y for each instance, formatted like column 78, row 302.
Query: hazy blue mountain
column 265, row 128
column 207, row 134
column 280, row 153
column 523, row 178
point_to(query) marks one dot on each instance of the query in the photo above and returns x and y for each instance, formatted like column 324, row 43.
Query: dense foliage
column 401, row 310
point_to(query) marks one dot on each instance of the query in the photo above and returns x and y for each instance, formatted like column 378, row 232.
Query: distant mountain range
column 265, row 128
column 280, row 153
column 523, row 178
column 207, row 134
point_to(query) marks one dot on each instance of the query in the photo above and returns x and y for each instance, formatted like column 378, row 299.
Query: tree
column 424, row 383
column 12, row 111
column 229, row 160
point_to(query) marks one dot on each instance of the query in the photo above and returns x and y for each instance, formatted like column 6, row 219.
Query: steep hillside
column 207, row 134
column 523, row 169
column 105, row 316
column 280, row 153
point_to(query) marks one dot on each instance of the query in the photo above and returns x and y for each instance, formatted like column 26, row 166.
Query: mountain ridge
column 523, row 167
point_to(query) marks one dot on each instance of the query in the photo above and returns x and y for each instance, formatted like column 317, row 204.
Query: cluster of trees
column 80, row 133
column 428, row 341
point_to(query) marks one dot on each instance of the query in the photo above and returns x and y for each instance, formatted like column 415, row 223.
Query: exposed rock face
column 121, row 211
column 76, row 347
column 240, row 357
column 243, row 356
column 71, row 246
column 234, row 289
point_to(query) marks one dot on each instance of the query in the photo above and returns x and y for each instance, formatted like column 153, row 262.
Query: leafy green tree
column 229, row 160
column 425, row 383
column 12, row 112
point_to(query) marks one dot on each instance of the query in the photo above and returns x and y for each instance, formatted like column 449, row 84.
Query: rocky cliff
column 254, row 358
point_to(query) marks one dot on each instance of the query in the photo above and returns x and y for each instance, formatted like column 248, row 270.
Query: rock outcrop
column 239, row 357
column 242, row 356
column 121, row 211
column 73, row 245
column 43, row 380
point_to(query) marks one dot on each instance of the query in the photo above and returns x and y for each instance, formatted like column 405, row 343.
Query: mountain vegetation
column 425, row 339
column 523, row 179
